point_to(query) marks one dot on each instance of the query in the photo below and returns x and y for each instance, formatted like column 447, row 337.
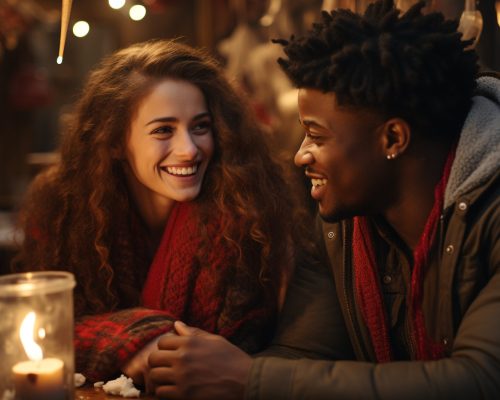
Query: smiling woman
column 166, row 205
column 168, row 148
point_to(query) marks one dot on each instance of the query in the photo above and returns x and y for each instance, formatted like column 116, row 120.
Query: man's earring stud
column 391, row 156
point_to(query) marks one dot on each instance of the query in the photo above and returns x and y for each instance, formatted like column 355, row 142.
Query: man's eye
column 312, row 136
column 202, row 128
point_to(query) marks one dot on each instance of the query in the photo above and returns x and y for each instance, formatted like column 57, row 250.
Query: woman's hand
column 198, row 365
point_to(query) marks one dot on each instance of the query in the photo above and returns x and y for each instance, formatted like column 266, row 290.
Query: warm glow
column 65, row 13
column 41, row 333
column 33, row 350
column 116, row 4
column 137, row 12
column 81, row 29
column 268, row 19
column 497, row 5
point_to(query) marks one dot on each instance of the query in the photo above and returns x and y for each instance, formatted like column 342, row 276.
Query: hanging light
column 116, row 4
column 65, row 12
column 137, row 12
column 497, row 5
column 81, row 29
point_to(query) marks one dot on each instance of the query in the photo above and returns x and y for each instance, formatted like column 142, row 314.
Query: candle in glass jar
column 38, row 378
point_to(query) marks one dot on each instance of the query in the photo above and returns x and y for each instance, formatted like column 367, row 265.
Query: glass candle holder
column 36, row 336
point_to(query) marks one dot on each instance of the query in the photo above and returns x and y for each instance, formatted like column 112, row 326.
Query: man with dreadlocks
column 402, row 146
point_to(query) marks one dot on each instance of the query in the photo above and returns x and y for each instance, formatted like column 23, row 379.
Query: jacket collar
column 478, row 152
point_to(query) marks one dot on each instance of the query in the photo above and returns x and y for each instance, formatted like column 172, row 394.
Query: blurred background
column 36, row 93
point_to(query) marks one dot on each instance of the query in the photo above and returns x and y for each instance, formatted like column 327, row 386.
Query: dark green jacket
column 322, row 350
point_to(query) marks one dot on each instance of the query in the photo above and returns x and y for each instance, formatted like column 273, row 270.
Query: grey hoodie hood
column 477, row 157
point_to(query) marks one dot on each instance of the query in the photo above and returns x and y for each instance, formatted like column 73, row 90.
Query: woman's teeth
column 182, row 170
column 318, row 182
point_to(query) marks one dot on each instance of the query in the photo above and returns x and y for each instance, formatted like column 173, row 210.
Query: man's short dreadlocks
column 413, row 66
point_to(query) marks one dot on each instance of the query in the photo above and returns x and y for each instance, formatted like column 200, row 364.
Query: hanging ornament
column 471, row 23
column 65, row 13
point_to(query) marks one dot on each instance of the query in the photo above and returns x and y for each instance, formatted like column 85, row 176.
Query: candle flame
column 26, row 332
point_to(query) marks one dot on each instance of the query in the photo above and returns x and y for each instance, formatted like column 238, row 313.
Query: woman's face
column 169, row 144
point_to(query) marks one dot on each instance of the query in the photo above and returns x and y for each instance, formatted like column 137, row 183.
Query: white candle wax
column 37, row 380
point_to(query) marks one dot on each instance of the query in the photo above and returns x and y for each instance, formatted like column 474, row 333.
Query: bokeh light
column 137, row 12
column 116, row 4
column 81, row 29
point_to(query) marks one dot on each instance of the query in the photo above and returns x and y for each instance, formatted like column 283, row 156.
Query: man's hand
column 137, row 367
column 198, row 365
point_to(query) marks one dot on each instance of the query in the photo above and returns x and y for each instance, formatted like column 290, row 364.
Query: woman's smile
column 181, row 171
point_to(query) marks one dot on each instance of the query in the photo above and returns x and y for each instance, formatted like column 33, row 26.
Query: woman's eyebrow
column 201, row 115
column 162, row 119
column 174, row 119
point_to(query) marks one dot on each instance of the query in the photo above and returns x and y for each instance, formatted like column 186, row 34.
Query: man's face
column 343, row 155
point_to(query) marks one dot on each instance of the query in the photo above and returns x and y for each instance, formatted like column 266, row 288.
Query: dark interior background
column 36, row 93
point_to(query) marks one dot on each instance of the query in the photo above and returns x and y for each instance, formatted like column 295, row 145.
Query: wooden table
column 91, row 393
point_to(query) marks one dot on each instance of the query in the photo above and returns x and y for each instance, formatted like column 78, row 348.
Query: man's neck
column 418, row 180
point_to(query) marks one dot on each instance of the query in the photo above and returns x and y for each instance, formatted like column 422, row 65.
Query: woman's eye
column 202, row 127
column 163, row 130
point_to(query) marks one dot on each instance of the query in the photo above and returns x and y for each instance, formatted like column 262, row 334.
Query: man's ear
column 396, row 137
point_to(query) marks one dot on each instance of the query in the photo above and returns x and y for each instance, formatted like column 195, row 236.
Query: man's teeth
column 182, row 170
column 318, row 182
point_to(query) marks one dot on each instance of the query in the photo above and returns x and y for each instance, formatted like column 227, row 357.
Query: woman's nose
column 303, row 157
column 185, row 147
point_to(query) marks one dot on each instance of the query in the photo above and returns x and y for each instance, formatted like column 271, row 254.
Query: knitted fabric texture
column 192, row 294
column 367, row 283
column 210, row 295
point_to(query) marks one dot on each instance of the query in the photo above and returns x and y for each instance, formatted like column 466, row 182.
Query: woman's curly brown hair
column 79, row 215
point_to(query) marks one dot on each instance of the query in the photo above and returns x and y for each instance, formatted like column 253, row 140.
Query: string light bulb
column 81, row 29
column 137, row 12
column 116, row 4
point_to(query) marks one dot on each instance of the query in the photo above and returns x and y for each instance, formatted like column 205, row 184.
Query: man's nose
column 303, row 157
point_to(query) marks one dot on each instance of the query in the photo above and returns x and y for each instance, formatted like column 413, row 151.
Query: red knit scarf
column 367, row 285
column 197, row 294
column 176, row 283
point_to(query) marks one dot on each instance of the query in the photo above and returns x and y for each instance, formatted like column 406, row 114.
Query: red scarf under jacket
column 367, row 285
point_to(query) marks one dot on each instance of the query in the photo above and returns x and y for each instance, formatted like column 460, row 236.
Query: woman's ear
column 396, row 137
